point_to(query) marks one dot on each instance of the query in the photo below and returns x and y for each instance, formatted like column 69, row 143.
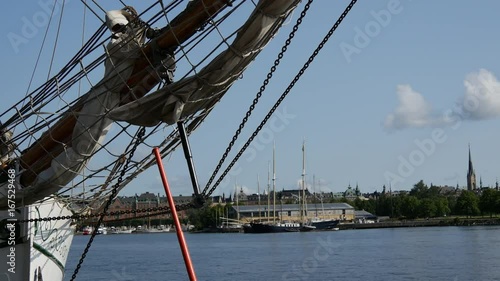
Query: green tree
column 369, row 206
column 420, row 190
column 205, row 217
column 467, row 204
column 433, row 192
column 452, row 204
column 396, row 206
column 410, row 207
column 359, row 204
column 442, row 207
column 488, row 201
column 427, row 208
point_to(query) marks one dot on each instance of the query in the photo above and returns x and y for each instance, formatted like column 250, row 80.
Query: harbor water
column 424, row 253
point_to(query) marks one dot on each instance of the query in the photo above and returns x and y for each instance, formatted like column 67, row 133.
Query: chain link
column 283, row 96
column 81, row 217
column 258, row 96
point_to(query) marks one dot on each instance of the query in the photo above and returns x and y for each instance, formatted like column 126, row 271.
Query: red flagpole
column 178, row 230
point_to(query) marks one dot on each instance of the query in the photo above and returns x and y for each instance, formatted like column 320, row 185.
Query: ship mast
column 258, row 192
column 303, row 205
column 268, row 189
column 237, row 201
column 274, row 183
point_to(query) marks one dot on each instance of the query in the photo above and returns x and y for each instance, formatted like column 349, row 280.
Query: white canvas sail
column 187, row 96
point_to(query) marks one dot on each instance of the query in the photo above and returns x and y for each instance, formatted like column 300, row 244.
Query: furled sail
column 187, row 96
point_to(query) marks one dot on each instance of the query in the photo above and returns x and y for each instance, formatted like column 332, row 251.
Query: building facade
column 143, row 201
column 291, row 212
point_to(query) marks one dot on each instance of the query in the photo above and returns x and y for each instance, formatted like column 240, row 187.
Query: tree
column 442, row 207
column 467, row 203
column 488, row 201
column 433, row 191
column 359, row 204
column 396, row 206
column 419, row 190
column 427, row 208
column 410, row 207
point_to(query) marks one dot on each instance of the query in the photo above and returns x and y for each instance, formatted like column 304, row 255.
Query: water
column 438, row 253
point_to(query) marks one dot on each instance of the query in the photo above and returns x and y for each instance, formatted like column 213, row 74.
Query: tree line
column 424, row 201
column 421, row 201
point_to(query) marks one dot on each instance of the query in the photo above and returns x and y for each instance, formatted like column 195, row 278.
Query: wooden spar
column 38, row 157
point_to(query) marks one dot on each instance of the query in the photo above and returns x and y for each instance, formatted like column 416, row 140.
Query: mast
column 268, row 189
column 274, row 182
column 303, row 209
column 258, row 192
column 237, row 200
column 314, row 192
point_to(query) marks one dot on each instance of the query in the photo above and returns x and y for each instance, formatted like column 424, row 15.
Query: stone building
column 143, row 201
column 291, row 212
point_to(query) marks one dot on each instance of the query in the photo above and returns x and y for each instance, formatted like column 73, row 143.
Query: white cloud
column 413, row 111
column 481, row 101
column 482, row 96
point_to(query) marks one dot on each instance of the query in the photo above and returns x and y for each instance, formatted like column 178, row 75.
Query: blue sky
column 396, row 95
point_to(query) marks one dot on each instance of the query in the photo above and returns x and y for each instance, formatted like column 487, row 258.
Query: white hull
column 41, row 248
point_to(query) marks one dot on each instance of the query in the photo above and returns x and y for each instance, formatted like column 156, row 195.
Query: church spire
column 471, row 176
column 470, row 162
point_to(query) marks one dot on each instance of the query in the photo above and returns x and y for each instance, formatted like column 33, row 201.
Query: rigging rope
column 41, row 48
column 57, row 39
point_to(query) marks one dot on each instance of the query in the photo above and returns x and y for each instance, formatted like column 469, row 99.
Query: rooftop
column 293, row 207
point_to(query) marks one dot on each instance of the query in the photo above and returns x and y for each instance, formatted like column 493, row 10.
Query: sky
column 397, row 95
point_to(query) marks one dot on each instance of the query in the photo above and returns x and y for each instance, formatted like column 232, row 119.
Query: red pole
column 178, row 230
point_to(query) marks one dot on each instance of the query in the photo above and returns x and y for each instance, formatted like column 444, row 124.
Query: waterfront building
column 291, row 212
column 143, row 201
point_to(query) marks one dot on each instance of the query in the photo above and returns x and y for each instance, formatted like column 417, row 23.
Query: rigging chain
column 114, row 192
column 283, row 96
column 258, row 95
column 80, row 217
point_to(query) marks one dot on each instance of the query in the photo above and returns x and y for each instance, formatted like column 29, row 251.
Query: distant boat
column 160, row 229
column 307, row 227
column 320, row 223
column 272, row 227
column 324, row 224
column 262, row 227
column 102, row 230
column 87, row 230
column 121, row 231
